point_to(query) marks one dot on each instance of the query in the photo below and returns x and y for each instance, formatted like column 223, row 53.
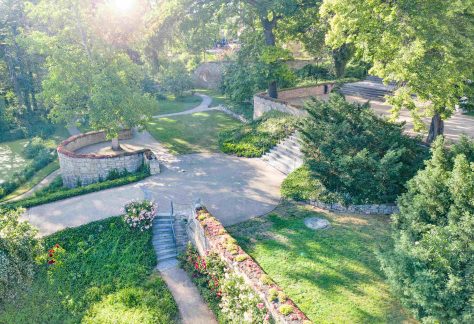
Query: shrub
column 56, row 192
column 19, row 247
column 175, row 79
column 430, row 264
column 300, row 185
column 358, row 157
column 285, row 309
column 34, row 146
column 311, row 71
column 259, row 136
column 140, row 214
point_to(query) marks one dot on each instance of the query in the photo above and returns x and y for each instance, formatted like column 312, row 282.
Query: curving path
column 203, row 106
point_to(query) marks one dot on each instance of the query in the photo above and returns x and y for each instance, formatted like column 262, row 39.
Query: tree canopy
column 426, row 47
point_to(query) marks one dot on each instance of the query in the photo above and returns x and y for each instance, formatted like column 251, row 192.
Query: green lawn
column 11, row 158
column 174, row 105
column 244, row 109
column 104, row 276
column 40, row 175
column 191, row 133
column 333, row 275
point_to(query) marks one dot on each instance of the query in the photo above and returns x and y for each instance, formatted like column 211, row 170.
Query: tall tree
column 88, row 76
column 430, row 266
column 426, row 47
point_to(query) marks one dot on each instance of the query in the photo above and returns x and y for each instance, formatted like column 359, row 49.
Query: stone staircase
column 164, row 240
column 371, row 88
column 286, row 156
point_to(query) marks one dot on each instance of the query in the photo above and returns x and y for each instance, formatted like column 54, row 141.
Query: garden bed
column 211, row 238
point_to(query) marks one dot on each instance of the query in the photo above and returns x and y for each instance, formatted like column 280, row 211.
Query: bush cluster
column 358, row 157
column 40, row 154
column 139, row 215
column 259, row 136
column 312, row 71
column 19, row 247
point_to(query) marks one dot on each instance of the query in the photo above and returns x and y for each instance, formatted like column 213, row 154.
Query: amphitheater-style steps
column 371, row 88
column 286, row 156
column 164, row 241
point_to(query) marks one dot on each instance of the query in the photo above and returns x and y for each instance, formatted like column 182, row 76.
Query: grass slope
column 105, row 276
column 191, row 133
column 333, row 275
column 12, row 158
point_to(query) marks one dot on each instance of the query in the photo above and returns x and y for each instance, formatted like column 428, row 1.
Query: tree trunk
column 115, row 144
column 341, row 57
column 436, row 128
column 268, row 30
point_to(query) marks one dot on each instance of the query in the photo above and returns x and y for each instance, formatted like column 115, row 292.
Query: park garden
column 80, row 66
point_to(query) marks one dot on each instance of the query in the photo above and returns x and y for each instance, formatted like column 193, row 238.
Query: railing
column 172, row 222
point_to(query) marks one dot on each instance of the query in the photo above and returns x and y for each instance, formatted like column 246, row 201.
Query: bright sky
column 123, row 6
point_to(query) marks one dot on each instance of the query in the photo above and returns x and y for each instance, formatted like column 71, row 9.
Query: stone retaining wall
column 383, row 209
column 208, row 234
column 84, row 169
column 263, row 103
column 229, row 112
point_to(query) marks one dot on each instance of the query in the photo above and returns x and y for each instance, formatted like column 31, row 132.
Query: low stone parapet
column 263, row 103
column 84, row 169
column 381, row 209
column 208, row 235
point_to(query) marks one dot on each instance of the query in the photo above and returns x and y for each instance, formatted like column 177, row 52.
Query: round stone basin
column 317, row 223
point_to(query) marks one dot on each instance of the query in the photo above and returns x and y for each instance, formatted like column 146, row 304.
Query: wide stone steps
column 164, row 241
column 286, row 156
column 371, row 88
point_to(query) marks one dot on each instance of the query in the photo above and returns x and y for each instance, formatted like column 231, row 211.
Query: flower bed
column 140, row 214
column 210, row 235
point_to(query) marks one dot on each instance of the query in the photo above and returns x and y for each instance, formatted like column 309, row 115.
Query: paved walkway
column 192, row 308
column 454, row 127
column 43, row 183
column 204, row 106
column 234, row 189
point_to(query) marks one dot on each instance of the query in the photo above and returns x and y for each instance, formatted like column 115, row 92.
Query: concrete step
column 165, row 247
column 167, row 256
column 162, row 238
column 285, row 158
column 282, row 167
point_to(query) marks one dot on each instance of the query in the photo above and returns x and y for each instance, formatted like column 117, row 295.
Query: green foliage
column 285, row 309
column 41, row 156
column 104, row 271
column 175, row 79
column 430, row 264
column 259, row 136
column 317, row 72
column 148, row 305
column 423, row 46
column 300, row 185
column 19, row 247
column 255, row 66
column 57, row 192
column 358, row 157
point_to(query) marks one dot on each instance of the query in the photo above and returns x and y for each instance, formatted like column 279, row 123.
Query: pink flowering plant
column 140, row 214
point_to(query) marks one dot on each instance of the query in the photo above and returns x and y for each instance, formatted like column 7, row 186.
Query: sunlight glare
column 123, row 6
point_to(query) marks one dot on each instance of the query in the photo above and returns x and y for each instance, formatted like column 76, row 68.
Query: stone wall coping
column 125, row 134
column 264, row 95
column 369, row 209
column 217, row 239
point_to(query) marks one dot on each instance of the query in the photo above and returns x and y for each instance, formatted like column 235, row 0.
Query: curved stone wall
column 84, row 169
